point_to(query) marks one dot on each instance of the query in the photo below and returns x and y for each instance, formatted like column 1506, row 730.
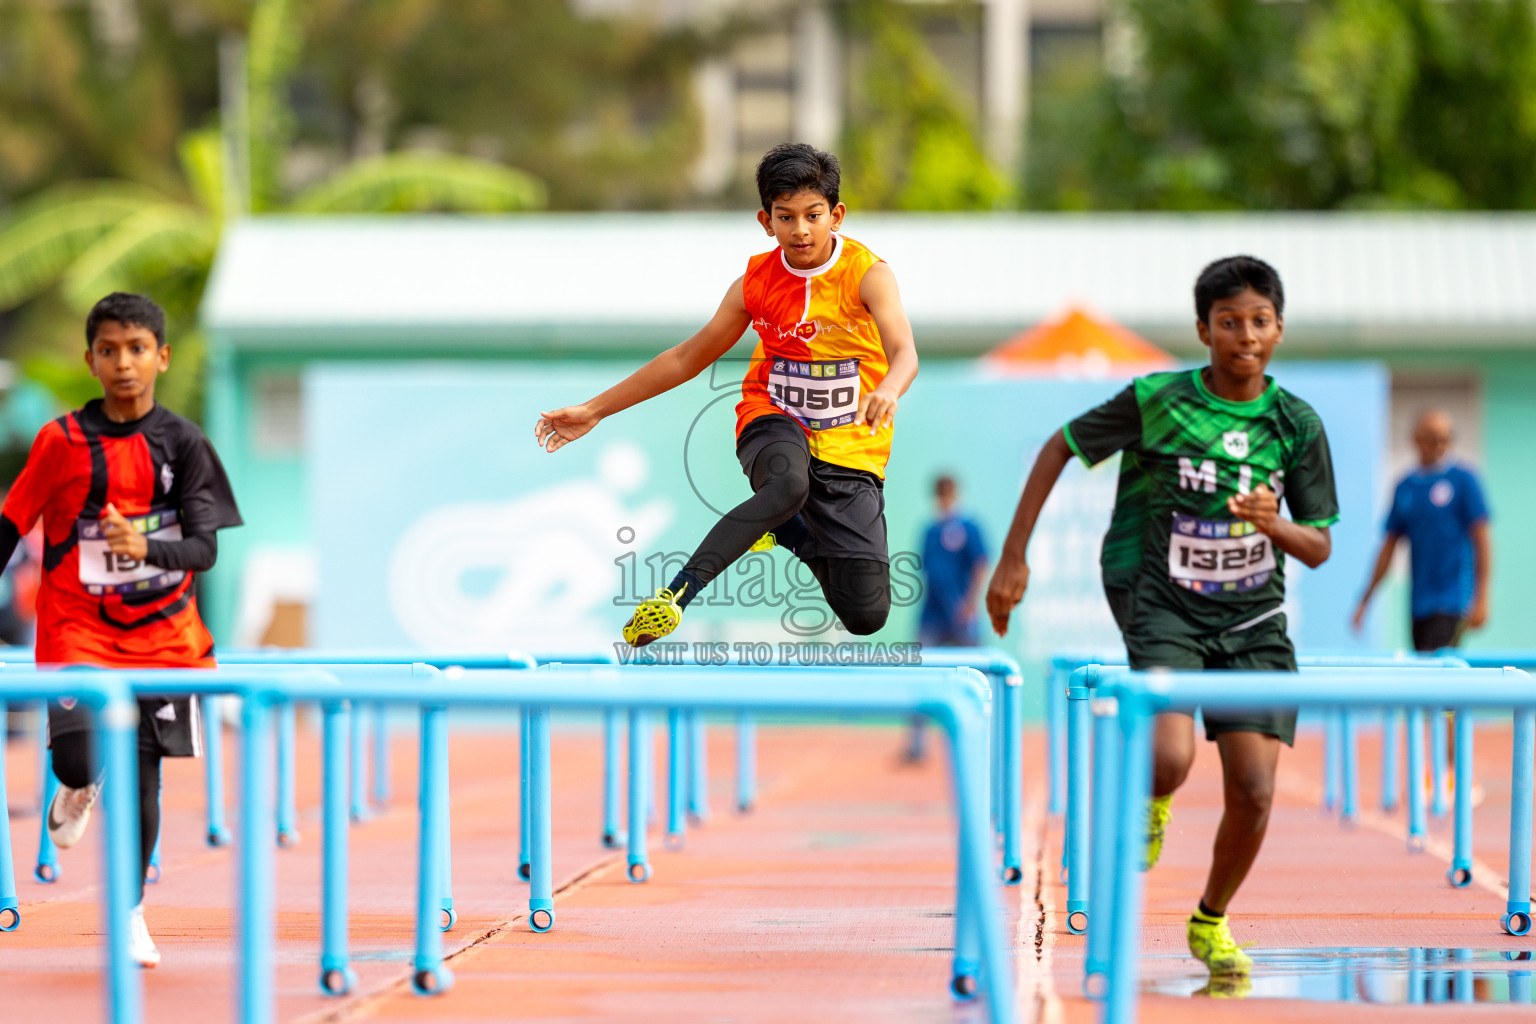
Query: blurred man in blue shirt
column 1440, row 510
column 954, row 571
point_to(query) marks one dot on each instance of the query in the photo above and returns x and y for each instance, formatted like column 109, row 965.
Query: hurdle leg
column 994, row 759
column 1078, row 726
column 1460, row 873
column 118, row 726
column 1418, row 826
column 1013, row 780
column 213, row 770
column 47, row 870
column 746, row 762
column 698, row 768
column 381, row 787
column 1056, row 740
column 336, row 975
column 1439, row 799
column 648, row 756
column 639, row 734
column 1349, row 748
column 1391, row 757
column 1517, row 913
column 967, row 736
column 1333, row 740
column 965, row 968
column 1135, row 788
column 1101, row 856
column 917, row 739
column 357, row 777
column 612, row 834
column 524, row 800
column 429, row 976
column 255, row 964
column 541, row 893
column 676, row 768
column 450, row 917
column 287, row 804
column 10, row 910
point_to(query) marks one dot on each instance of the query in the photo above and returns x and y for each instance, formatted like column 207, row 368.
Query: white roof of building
column 1366, row 279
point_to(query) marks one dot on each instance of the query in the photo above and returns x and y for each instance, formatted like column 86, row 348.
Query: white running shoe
column 69, row 813
column 140, row 946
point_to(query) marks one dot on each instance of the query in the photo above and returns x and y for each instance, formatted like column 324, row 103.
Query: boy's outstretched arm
column 1012, row 573
column 677, row 365
column 882, row 298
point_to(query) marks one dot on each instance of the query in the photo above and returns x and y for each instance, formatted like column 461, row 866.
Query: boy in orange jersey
column 814, row 424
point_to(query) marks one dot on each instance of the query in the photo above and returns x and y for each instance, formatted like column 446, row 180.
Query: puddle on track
column 1360, row 975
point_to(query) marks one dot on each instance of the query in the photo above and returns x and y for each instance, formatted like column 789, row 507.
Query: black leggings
column 858, row 590
column 75, row 765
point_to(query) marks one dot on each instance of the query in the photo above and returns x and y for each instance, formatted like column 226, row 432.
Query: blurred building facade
column 787, row 76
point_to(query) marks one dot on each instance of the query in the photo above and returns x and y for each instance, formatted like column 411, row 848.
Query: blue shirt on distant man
column 1440, row 510
column 954, row 570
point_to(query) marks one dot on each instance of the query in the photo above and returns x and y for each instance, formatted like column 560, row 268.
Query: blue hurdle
column 117, row 719
column 955, row 699
column 1006, row 741
column 1078, row 849
column 1134, row 699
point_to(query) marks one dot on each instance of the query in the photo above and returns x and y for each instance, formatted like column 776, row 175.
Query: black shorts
column 168, row 726
column 1262, row 647
column 1433, row 632
column 845, row 512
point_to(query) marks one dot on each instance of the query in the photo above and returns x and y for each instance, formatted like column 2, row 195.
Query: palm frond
column 276, row 41
column 202, row 160
column 40, row 240
column 419, row 182
column 153, row 243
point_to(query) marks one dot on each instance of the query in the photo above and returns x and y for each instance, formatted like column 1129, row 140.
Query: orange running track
column 833, row 899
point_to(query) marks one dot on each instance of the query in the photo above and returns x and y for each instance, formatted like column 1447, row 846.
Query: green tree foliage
column 64, row 247
column 910, row 145
column 600, row 109
column 1313, row 104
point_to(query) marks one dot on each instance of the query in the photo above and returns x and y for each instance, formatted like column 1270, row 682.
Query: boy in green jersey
column 1194, row 560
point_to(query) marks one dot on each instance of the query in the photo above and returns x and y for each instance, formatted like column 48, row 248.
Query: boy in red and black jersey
column 130, row 496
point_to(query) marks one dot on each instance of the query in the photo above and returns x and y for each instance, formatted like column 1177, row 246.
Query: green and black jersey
column 1173, row 550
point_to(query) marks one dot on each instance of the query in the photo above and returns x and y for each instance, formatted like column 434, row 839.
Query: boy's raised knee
column 864, row 621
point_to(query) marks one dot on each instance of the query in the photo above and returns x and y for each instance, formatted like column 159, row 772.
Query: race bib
column 103, row 572
column 1218, row 556
column 820, row 395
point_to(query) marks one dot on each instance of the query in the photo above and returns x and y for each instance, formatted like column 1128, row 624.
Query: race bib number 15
column 820, row 395
column 1218, row 556
column 104, row 572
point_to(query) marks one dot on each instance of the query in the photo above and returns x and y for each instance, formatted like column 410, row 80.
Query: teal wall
column 274, row 499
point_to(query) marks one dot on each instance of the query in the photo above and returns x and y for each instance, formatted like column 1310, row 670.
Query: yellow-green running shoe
column 654, row 618
column 764, row 543
column 1212, row 944
column 1159, row 814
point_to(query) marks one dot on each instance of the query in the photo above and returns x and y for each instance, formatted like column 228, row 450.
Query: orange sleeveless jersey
column 818, row 353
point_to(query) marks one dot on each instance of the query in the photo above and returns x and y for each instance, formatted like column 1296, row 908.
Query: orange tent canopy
column 1078, row 339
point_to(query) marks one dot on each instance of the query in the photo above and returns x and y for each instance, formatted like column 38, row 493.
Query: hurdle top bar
column 1386, row 687
column 938, row 691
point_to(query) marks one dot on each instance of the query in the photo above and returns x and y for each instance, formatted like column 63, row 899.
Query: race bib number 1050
column 1217, row 556
column 820, row 395
column 104, row 572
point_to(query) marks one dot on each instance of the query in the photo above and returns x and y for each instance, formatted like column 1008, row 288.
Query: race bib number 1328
column 822, row 394
column 1218, row 556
